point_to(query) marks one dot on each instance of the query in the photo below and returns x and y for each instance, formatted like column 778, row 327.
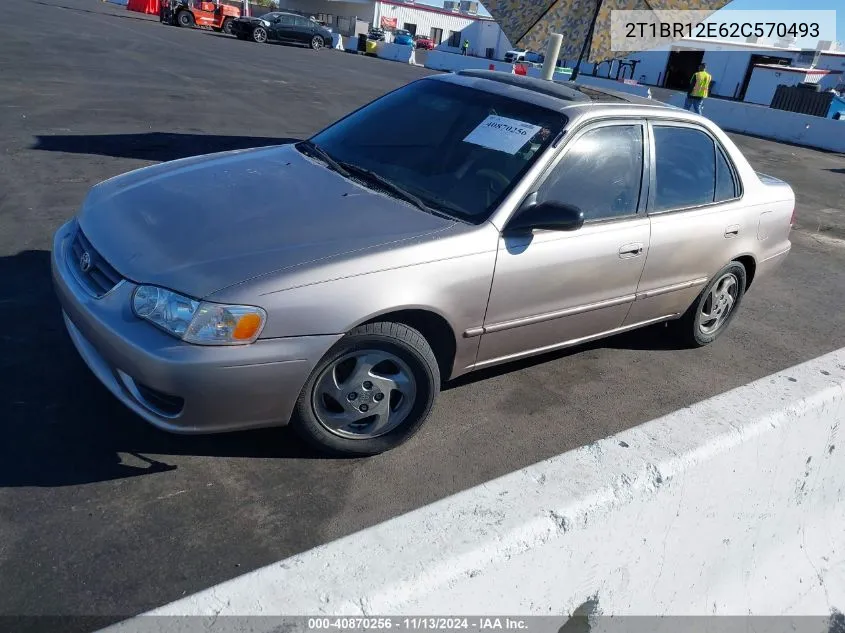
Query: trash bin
column 372, row 46
column 362, row 42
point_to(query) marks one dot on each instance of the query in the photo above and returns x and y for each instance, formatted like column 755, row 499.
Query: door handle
column 631, row 250
column 732, row 231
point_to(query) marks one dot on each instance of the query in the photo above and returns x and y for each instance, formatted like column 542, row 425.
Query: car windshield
column 460, row 150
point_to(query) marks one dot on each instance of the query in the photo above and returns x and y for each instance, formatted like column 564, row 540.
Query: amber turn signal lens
column 247, row 326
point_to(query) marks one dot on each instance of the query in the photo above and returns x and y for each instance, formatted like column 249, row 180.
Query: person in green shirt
column 465, row 47
column 699, row 90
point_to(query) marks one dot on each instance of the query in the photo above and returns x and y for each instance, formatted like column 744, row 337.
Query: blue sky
column 768, row 5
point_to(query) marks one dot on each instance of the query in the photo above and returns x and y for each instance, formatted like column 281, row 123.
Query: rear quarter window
column 727, row 187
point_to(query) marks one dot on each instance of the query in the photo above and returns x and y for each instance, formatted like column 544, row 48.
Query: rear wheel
column 259, row 34
column 185, row 19
column 227, row 26
column 317, row 42
column 708, row 317
column 370, row 393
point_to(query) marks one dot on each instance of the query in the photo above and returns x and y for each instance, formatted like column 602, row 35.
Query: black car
column 376, row 34
column 282, row 27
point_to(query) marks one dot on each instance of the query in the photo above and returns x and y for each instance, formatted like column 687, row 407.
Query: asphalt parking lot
column 102, row 515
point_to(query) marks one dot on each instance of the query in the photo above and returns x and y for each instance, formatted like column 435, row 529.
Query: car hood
column 201, row 224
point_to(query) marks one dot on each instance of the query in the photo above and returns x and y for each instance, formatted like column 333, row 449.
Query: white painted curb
column 733, row 506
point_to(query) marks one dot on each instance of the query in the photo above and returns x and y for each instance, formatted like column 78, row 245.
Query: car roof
column 554, row 94
column 293, row 13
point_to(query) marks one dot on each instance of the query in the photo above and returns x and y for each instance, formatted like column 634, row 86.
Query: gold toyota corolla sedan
column 462, row 221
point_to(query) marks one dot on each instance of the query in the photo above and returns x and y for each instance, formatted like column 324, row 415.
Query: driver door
column 555, row 288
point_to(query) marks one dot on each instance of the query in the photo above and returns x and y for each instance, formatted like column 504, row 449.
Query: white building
column 732, row 65
column 766, row 78
column 447, row 28
column 742, row 70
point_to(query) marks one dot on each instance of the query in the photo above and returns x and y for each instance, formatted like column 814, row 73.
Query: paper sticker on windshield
column 502, row 134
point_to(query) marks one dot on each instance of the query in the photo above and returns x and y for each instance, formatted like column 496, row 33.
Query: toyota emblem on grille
column 85, row 261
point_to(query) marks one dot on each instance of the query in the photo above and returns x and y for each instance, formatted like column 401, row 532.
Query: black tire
column 226, row 27
column 259, row 35
column 689, row 327
column 317, row 42
column 185, row 19
column 395, row 338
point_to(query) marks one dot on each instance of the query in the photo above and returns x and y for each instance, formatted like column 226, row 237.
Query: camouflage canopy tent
column 584, row 24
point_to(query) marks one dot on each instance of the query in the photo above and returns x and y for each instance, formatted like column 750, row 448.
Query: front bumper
column 174, row 385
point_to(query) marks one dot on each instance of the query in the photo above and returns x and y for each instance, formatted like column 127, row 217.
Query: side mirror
column 548, row 216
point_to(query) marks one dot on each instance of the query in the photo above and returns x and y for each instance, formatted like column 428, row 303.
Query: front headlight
column 199, row 322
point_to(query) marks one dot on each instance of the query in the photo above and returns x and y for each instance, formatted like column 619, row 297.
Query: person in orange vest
column 699, row 90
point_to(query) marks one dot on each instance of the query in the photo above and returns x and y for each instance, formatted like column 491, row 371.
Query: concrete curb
column 733, row 506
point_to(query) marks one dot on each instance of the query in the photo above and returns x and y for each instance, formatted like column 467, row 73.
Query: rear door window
column 685, row 168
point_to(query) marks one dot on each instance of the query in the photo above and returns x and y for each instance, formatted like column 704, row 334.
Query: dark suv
column 282, row 27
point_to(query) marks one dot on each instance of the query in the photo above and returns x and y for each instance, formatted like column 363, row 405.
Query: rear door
column 284, row 27
column 554, row 288
column 304, row 29
column 698, row 223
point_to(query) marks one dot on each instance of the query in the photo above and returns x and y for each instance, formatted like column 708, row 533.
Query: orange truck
column 188, row 13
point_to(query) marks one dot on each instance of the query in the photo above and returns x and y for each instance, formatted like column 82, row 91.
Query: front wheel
column 708, row 317
column 259, row 34
column 370, row 393
column 317, row 42
column 185, row 19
